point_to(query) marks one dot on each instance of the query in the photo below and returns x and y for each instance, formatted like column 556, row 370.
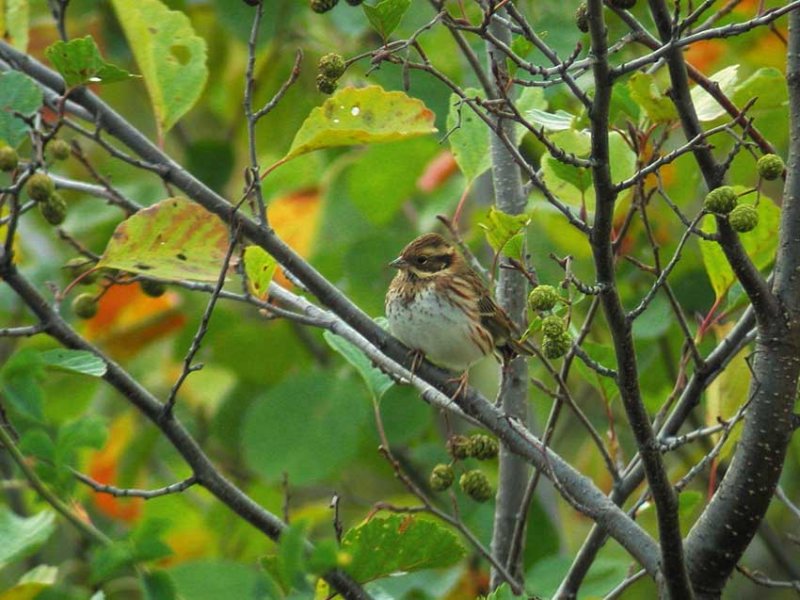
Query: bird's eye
column 421, row 260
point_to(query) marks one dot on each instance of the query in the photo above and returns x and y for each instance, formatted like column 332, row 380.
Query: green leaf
column 291, row 562
column 86, row 432
column 707, row 107
column 557, row 121
column 531, row 98
column 377, row 381
column 504, row 232
column 385, row 176
column 399, row 543
column 521, row 46
column 766, row 84
column 621, row 157
column 362, row 116
column 146, row 540
column 259, row 267
column 385, row 16
column 469, row 137
column 106, row 561
column 18, row 94
column 324, row 557
column 173, row 239
column 309, row 426
column 20, row 381
column 74, row 361
column 79, row 63
column 655, row 321
column 604, row 355
column 158, row 585
column 690, row 504
column 760, row 244
column 216, row 579
column 557, row 171
column 143, row 544
column 503, row 592
column 573, row 141
column 23, row 536
column 644, row 90
column 37, row 442
column 170, row 55
column 14, row 17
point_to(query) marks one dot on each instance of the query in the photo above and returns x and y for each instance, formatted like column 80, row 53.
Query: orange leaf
column 103, row 469
column 295, row 219
column 703, row 55
column 438, row 171
column 127, row 319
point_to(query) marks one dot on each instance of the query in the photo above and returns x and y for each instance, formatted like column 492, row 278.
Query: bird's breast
column 447, row 332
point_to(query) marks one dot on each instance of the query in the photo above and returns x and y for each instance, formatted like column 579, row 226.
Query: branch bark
column 204, row 471
column 675, row 578
column 511, row 295
column 724, row 530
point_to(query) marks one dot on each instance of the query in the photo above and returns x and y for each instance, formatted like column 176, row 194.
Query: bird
column 439, row 307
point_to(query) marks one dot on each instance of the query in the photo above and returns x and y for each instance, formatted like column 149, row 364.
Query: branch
column 204, row 471
column 102, row 488
column 85, row 528
column 723, row 532
column 714, row 364
column 675, row 576
column 518, row 439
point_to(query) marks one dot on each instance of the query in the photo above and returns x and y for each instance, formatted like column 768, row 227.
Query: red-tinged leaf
column 173, row 239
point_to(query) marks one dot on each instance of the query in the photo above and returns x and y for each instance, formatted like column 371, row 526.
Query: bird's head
column 429, row 255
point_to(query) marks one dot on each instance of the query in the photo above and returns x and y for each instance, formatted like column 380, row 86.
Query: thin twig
column 103, row 488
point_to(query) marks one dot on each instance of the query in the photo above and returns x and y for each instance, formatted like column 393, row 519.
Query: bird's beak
column 399, row 263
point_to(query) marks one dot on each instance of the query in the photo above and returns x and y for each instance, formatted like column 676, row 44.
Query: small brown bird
column 437, row 305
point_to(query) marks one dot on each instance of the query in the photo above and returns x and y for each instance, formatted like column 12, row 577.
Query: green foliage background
column 280, row 411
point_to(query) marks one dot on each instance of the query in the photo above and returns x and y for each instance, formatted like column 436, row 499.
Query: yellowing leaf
column 645, row 92
column 729, row 390
column 399, row 543
column 171, row 57
column 504, row 232
column 173, row 239
column 259, row 266
column 362, row 116
column 14, row 16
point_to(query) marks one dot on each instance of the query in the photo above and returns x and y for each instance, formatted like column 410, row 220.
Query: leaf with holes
column 367, row 115
column 259, row 266
column 398, row 543
column 170, row 55
column 173, row 239
column 79, row 62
